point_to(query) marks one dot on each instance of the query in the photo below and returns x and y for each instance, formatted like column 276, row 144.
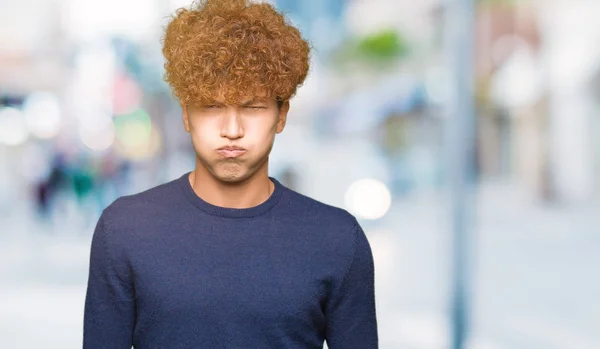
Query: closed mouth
column 231, row 152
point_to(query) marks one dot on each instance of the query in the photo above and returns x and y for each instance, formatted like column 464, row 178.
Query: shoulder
column 153, row 202
column 337, row 235
column 135, row 218
column 316, row 211
column 333, row 230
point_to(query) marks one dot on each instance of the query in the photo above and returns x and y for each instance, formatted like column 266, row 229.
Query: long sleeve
column 109, row 314
column 351, row 316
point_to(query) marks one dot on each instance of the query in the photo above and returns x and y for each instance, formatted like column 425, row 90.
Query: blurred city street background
column 85, row 118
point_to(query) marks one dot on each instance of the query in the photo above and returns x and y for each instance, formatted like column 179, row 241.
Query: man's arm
column 109, row 314
column 351, row 318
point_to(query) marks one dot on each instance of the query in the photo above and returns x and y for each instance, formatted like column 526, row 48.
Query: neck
column 244, row 194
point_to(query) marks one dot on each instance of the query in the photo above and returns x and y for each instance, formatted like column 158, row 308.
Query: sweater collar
column 209, row 208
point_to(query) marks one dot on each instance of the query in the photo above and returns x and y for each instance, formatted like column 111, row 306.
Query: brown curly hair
column 233, row 49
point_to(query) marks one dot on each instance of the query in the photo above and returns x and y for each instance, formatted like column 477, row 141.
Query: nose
column 232, row 127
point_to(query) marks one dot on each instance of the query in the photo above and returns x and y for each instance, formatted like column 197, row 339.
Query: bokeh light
column 136, row 138
column 99, row 138
column 43, row 115
column 13, row 129
column 368, row 199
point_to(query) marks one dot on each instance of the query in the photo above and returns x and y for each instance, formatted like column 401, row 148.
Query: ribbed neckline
column 209, row 208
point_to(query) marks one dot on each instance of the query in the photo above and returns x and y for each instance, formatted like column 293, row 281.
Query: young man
column 226, row 256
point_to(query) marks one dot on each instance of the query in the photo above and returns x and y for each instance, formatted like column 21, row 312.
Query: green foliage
column 386, row 44
column 377, row 50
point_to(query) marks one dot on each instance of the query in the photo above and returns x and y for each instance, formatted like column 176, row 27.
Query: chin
column 232, row 171
column 230, row 178
column 231, row 174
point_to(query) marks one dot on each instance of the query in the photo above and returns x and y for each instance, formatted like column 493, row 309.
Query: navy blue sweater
column 169, row 270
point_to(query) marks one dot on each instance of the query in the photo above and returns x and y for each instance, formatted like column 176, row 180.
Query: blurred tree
column 387, row 44
column 380, row 49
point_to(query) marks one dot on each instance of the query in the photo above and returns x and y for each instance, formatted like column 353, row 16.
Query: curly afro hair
column 233, row 49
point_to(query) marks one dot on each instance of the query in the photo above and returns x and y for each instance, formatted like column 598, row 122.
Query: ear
column 186, row 119
column 283, row 112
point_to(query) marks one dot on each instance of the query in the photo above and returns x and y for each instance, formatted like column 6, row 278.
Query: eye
column 255, row 107
column 212, row 105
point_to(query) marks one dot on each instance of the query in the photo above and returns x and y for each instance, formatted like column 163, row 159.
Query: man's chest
column 220, row 279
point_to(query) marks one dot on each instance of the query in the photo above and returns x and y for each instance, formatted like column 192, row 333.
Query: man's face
column 233, row 142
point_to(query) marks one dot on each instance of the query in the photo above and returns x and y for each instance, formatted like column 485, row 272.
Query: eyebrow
column 254, row 101
column 213, row 102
